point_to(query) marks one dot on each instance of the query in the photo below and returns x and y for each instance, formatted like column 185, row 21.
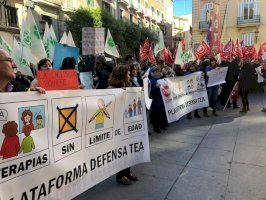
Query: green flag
column 160, row 45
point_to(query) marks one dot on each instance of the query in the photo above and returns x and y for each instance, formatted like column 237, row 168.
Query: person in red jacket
column 10, row 146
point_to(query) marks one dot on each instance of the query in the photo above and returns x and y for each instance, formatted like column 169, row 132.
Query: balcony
column 203, row 26
column 248, row 21
column 123, row 2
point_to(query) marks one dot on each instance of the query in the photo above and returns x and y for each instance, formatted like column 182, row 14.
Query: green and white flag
column 179, row 55
column 46, row 39
column 64, row 38
column 188, row 56
column 21, row 56
column 31, row 38
column 49, row 41
column 70, row 41
column 110, row 47
column 4, row 45
column 160, row 45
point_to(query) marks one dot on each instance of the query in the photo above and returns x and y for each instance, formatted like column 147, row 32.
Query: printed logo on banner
column 100, row 118
column 67, row 126
column 24, row 142
column 133, row 114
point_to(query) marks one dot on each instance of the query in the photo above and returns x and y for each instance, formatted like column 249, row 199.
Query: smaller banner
column 58, row 80
column 182, row 95
column 217, row 76
column 92, row 41
column 61, row 52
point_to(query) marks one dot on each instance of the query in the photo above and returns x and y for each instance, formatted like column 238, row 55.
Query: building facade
column 241, row 19
column 155, row 14
column 181, row 28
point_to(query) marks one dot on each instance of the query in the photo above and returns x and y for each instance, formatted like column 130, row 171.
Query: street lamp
column 3, row 2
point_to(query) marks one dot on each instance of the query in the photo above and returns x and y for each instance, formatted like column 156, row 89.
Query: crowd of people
column 130, row 73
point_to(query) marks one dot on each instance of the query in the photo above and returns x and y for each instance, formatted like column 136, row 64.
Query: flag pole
column 230, row 96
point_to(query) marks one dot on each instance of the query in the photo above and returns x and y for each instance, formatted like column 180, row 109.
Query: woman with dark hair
column 136, row 79
column 43, row 65
column 68, row 63
column 120, row 78
column 246, row 76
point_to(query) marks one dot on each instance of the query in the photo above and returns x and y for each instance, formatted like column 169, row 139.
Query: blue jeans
column 213, row 96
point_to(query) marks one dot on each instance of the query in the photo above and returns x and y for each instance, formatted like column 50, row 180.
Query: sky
column 182, row 7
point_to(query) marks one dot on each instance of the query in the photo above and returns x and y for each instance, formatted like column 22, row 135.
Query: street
column 200, row 159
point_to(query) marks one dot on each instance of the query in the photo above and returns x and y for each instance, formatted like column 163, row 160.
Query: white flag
column 160, row 45
column 70, row 42
column 4, row 45
column 64, row 38
column 110, row 47
column 31, row 38
column 179, row 54
column 20, row 59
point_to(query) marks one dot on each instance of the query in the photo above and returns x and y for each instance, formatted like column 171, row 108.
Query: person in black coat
column 246, row 77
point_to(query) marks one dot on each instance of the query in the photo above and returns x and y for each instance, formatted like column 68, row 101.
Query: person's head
column 101, row 103
column 160, row 63
column 129, row 60
column 263, row 64
column 133, row 71
column 27, row 131
column 192, row 68
column 10, row 129
column 7, row 67
column 68, row 63
column 39, row 119
column 26, row 117
column 100, row 62
column 44, row 65
column 120, row 77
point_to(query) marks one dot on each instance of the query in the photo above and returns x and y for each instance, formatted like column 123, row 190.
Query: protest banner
column 58, row 79
column 217, row 76
column 86, row 79
column 182, row 95
column 61, row 51
column 58, row 145
column 92, row 41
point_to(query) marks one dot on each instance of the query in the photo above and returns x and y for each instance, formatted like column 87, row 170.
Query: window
column 206, row 12
column 158, row 13
column 90, row 3
column 139, row 4
column 11, row 16
column 44, row 19
column 146, row 5
column 70, row 3
column 248, row 38
column 248, row 8
column 121, row 14
column 106, row 7
column 131, row 18
column 152, row 10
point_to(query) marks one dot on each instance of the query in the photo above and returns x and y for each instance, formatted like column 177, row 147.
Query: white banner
column 58, row 145
column 217, row 76
column 92, row 41
column 182, row 95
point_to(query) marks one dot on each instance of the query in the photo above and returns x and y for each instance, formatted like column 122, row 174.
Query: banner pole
column 230, row 96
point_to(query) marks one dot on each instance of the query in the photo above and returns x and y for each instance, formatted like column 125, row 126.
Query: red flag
column 237, row 51
column 151, row 57
column 144, row 51
column 166, row 56
column 235, row 92
column 227, row 53
column 202, row 50
column 250, row 53
column 175, row 51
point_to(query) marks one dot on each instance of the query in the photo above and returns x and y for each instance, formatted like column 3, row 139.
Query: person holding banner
column 7, row 75
column 120, row 78
column 101, row 73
